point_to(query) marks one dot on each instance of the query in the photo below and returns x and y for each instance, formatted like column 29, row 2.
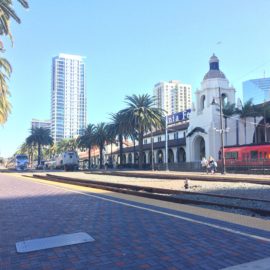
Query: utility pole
column 223, row 169
column 221, row 131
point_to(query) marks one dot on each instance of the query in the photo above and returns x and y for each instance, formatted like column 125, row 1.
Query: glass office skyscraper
column 257, row 89
column 68, row 97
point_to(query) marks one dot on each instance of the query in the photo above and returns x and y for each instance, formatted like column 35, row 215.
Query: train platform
column 129, row 232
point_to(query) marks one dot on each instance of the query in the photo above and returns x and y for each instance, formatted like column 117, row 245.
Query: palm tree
column 40, row 137
column 228, row 110
column 119, row 129
column 72, row 144
column 86, row 141
column 67, row 145
column 99, row 138
column 111, row 138
column 52, row 150
column 262, row 110
column 256, row 111
column 134, row 137
column 5, row 107
column 6, row 14
column 246, row 111
column 142, row 115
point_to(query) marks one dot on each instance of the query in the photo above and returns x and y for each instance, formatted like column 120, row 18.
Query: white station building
column 196, row 133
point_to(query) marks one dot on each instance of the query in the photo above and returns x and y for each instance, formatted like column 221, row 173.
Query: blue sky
column 129, row 46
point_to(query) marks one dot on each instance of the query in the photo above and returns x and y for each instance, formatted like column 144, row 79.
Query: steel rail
column 207, row 178
column 153, row 193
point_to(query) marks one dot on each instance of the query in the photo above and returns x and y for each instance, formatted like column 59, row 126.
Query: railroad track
column 176, row 196
column 208, row 177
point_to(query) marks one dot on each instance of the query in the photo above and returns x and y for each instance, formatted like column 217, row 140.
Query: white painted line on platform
column 53, row 241
column 263, row 264
column 223, row 228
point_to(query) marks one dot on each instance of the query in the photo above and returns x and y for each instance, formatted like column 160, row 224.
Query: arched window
column 144, row 158
column 224, row 99
column 136, row 159
column 129, row 158
column 160, row 156
column 124, row 159
column 170, row 156
column 202, row 102
column 181, row 155
column 150, row 158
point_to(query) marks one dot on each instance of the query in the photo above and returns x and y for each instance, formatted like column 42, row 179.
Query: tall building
column 35, row 123
column 173, row 96
column 257, row 89
column 68, row 97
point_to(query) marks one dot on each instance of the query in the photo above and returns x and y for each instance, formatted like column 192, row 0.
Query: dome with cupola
column 214, row 71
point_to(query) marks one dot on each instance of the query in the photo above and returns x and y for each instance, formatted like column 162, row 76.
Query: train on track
column 18, row 162
column 247, row 156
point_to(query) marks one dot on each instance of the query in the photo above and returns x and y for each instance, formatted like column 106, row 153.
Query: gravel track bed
column 227, row 201
column 254, row 191
column 247, row 190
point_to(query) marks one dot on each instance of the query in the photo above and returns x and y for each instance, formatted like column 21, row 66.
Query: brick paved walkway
column 126, row 237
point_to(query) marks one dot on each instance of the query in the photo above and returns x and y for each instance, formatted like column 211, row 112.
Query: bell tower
column 212, row 81
column 202, row 138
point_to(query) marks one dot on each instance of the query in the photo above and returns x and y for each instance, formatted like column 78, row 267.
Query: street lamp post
column 223, row 166
column 152, row 150
column 166, row 143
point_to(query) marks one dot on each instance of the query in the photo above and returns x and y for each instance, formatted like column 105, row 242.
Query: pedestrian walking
column 212, row 165
column 205, row 164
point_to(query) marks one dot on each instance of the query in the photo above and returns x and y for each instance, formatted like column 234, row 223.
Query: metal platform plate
column 54, row 241
column 263, row 264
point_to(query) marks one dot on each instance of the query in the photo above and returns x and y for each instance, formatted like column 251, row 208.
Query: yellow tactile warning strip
column 214, row 214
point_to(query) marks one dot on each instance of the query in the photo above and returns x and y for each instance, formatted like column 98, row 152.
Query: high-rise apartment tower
column 36, row 123
column 173, row 96
column 68, row 97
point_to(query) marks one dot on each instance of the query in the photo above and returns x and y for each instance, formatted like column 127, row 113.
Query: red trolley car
column 249, row 156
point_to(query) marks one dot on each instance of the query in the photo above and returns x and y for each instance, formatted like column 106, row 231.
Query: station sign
column 177, row 117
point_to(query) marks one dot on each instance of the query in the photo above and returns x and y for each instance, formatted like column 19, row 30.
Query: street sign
column 177, row 117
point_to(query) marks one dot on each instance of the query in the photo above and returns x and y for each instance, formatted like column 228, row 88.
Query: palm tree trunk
column 121, row 149
column 134, row 151
column 39, row 152
column 100, row 156
column 89, row 158
column 140, row 150
column 111, row 155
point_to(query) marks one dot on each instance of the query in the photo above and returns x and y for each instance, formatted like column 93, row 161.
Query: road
column 129, row 233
